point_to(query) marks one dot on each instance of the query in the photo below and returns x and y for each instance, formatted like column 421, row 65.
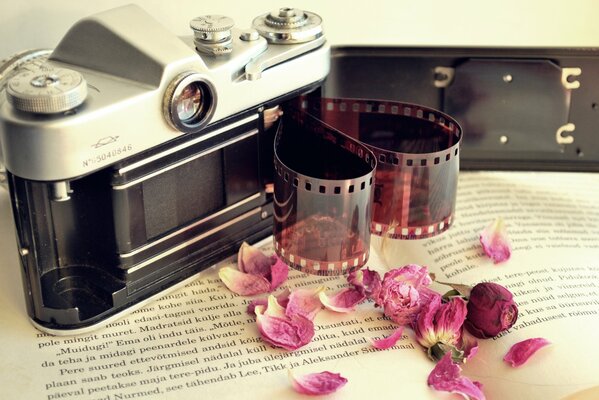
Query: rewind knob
column 46, row 90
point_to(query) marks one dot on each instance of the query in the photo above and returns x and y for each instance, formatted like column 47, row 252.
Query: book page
column 553, row 223
column 199, row 342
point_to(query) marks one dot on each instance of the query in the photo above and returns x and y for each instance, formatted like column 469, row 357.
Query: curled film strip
column 327, row 152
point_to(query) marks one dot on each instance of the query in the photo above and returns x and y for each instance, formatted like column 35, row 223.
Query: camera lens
column 189, row 102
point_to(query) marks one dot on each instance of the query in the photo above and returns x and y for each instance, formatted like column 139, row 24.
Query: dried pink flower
column 304, row 302
column 242, row 283
column 519, row 353
column 343, row 301
column 317, row 383
column 278, row 329
column 403, row 292
column 389, row 341
column 495, row 242
column 438, row 327
column 446, row 377
column 491, row 310
column 366, row 281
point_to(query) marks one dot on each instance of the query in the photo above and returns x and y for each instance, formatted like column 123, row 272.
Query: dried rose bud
column 491, row 310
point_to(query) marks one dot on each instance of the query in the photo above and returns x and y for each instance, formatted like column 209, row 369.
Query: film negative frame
column 416, row 187
column 321, row 217
column 415, row 151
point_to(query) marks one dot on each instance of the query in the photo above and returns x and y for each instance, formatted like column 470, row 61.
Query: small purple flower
column 491, row 310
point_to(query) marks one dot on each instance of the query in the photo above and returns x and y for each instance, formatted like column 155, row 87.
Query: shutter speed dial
column 46, row 90
column 289, row 25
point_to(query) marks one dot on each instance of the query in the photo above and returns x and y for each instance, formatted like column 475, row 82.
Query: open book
column 199, row 342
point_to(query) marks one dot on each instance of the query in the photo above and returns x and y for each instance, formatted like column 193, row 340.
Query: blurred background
column 41, row 24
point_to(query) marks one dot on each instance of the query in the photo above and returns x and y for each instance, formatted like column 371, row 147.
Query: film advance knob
column 289, row 25
column 46, row 90
column 212, row 34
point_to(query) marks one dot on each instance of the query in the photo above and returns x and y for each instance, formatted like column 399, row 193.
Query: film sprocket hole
column 136, row 158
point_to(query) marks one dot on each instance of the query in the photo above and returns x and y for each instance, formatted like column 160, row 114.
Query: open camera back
column 136, row 158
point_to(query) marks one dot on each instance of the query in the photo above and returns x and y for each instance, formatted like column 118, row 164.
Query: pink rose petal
column 318, row 383
column 304, row 302
column 278, row 273
column 288, row 333
column 446, row 377
column 495, row 242
column 343, row 301
column 242, row 283
column 366, row 281
column 389, row 341
column 282, row 299
column 274, row 309
column 252, row 261
column 469, row 346
column 519, row 353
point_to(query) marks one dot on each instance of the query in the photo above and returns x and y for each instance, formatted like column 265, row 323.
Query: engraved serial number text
column 107, row 155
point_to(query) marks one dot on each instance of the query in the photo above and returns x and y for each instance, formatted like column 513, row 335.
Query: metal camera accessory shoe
column 136, row 158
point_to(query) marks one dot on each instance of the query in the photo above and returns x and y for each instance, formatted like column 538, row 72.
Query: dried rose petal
column 288, row 333
column 389, row 341
column 252, row 261
column 519, row 353
column 446, row 377
column 318, row 383
column 278, row 273
column 273, row 308
column 343, row 301
column 304, row 302
column 469, row 346
column 495, row 242
column 366, row 281
column 242, row 283
column 282, row 299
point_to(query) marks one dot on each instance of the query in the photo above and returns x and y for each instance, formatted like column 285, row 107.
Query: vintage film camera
column 136, row 158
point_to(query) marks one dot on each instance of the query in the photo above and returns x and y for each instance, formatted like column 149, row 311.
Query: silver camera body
column 136, row 158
